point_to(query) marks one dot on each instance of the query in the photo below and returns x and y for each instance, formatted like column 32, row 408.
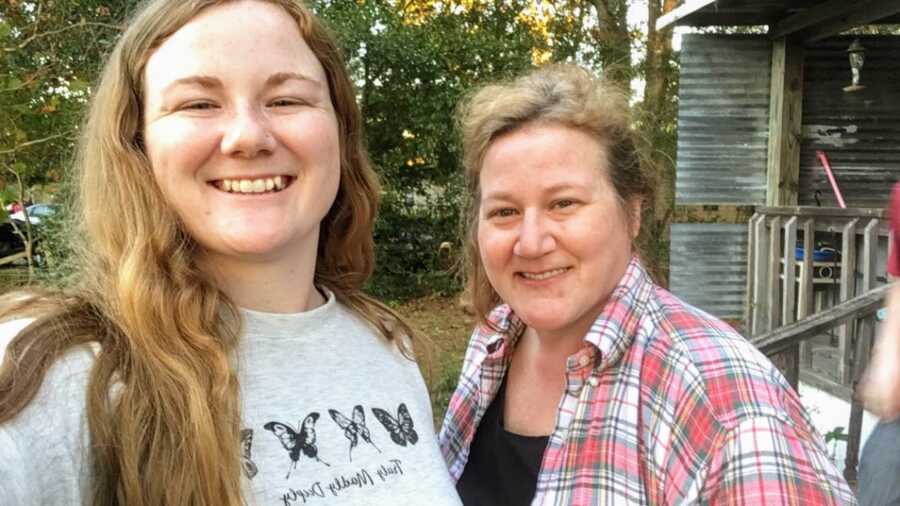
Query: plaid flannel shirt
column 664, row 404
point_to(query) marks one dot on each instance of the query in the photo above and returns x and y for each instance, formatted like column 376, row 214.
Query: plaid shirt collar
column 611, row 333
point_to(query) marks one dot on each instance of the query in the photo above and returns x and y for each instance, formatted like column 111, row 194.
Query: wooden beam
column 822, row 212
column 712, row 213
column 785, row 123
column 805, row 297
column 833, row 17
column 687, row 8
column 784, row 337
column 811, row 16
column 847, row 332
column 761, row 268
column 862, row 13
column 749, row 299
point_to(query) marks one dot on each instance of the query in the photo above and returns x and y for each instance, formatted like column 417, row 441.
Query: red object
column 837, row 191
column 893, row 265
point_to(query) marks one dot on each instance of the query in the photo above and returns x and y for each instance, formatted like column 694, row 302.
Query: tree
column 412, row 62
column 49, row 54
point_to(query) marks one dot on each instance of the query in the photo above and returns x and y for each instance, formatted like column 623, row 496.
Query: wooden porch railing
column 787, row 297
column 782, row 289
column 859, row 311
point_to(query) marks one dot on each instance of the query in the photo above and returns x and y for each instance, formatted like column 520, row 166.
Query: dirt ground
column 442, row 321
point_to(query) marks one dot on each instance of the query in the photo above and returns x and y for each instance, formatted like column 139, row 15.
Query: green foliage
column 411, row 60
column 836, row 434
column 410, row 74
column 50, row 52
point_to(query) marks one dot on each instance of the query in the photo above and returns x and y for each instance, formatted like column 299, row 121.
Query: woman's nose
column 535, row 236
column 247, row 135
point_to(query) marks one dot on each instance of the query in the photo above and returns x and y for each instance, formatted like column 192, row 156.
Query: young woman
column 218, row 349
column 586, row 383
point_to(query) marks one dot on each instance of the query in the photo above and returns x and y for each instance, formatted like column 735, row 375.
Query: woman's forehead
column 237, row 37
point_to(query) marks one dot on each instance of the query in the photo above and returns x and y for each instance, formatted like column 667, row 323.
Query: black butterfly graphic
column 354, row 429
column 303, row 440
column 400, row 428
column 247, row 465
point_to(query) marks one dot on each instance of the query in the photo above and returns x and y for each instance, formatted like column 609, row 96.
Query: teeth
column 537, row 276
column 268, row 184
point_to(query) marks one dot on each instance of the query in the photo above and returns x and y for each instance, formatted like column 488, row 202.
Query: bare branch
column 41, row 35
column 32, row 143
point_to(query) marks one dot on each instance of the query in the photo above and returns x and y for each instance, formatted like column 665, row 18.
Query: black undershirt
column 503, row 467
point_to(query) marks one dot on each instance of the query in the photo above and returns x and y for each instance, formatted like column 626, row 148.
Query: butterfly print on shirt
column 303, row 440
column 354, row 429
column 400, row 428
column 247, row 464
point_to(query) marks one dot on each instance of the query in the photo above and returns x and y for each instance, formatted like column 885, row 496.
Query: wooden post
column 789, row 285
column 805, row 299
column 751, row 271
column 785, row 125
column 773, row 284
column 789, row 360
column 848, row 290
column 760, row 290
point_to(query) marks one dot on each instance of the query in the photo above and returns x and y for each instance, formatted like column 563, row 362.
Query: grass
column 442, row 320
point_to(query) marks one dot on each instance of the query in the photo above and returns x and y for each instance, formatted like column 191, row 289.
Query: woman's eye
column 198, row 106
column 563, row 203
column 505, row 212
column 285, row 102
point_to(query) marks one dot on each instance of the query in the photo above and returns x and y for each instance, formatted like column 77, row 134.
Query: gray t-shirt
column 332, row 414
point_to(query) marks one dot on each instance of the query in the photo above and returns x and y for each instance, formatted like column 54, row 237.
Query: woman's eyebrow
column 282, row 77
column 200, row 80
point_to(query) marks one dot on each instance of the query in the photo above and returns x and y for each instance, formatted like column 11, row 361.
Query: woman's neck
column 270, row 287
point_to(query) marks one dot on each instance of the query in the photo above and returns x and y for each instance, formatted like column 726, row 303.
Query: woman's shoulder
column 66, row 379
column 720, row 364
column 10, row 329
column 50, row 430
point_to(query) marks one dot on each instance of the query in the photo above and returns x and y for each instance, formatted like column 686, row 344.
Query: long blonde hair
column 170, row 434
column 557, row 93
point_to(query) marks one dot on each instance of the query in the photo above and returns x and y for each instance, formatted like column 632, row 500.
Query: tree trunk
column 657, row 116
column 613, row 40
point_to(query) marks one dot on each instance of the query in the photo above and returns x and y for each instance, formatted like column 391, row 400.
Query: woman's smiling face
column 553, row 235
column 241, row 134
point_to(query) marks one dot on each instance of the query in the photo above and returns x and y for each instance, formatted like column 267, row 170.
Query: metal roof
column 812, row 20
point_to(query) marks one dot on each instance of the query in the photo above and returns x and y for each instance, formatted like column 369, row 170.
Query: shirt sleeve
column 764, row 460
column 14, row 485
column 893, row 264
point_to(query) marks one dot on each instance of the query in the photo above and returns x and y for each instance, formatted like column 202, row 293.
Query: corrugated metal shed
column 708, row 267
column 859, row 131
column 723, row 111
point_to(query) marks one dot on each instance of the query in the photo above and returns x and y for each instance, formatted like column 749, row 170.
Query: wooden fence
column 782, row 315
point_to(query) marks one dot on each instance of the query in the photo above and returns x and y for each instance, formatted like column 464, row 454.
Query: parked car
column 36, row 212
column 10, row 242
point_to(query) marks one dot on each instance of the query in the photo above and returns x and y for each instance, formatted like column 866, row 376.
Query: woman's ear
column 633, row 208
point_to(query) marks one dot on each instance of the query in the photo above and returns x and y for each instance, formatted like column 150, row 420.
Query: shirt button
column 594, row 381
column 584, row 360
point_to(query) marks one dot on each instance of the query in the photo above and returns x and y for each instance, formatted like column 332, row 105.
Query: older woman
column 586, row 383
column 218, row 350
